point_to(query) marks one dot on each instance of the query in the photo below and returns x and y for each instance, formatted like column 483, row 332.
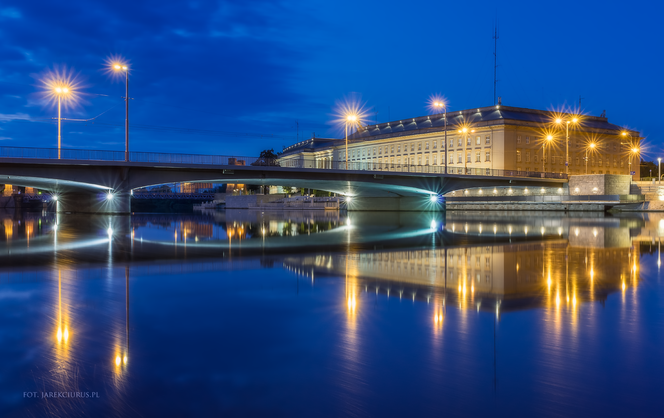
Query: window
column 527, row 156
column 426, row 161
column 600, row 161
column 412, row 147
column 518, row 139
column 434, row 144
column 577, row 160
column 478, row 158
column 535, row 158
column 451, row 142
column 419, row 160
column 468, row 157
column 434, row 158
column 451, row 158
column 527, row 140
column 392, row 149
column 560, row 159
column 460, row 142
column 426, row 145
column 468, row 141
column 419, row 146
column 487, row 139
column 488, row 156
column 478, row 140
column 380, row 150
column 398, row 160
column 622, row 164
column 518, row 156
column 460, row 159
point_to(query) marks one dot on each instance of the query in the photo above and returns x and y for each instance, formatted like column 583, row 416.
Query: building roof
column 484, row 116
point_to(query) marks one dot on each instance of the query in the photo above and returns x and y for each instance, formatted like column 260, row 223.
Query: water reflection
column 454, row 268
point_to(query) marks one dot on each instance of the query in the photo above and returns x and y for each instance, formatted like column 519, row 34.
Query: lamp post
column 567, row 123
column 444, row 106
column 631, row 148
column 591, row 146
column 659, row 167
column 549, row 138
column 60, row 91
column 350, row 119
column 633, row 151
column 465, row 132
column 121, row 67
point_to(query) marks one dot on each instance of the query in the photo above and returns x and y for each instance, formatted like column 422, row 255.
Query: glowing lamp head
column 575, row 120
column 109, row 196
column 55, row 198
column 635, row 150
column 465, row 129
column 116, row 66
column 549, row 138
column 351, row 118
column 433, row 198
column 559, row 120
column 58, row 89
column 623, row 133
column 592, row 145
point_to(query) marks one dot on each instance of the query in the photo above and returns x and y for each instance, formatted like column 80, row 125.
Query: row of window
column 560, row 159
column 390, row 149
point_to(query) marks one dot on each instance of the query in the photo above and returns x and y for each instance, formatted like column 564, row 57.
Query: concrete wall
column 599, row 184
column 488, row 192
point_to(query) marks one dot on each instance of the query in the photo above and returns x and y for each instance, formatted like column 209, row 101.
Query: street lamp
column 465, row 132
column 659, row 166
column 633, row 151
column 631, row 145
column 117, row 67
column 438, row 105
column 61, row 91
column 592, row 147
column 352, row 120
column 559, row 121
column 549, row 138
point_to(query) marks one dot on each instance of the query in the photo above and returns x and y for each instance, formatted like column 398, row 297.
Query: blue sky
column 234, row 77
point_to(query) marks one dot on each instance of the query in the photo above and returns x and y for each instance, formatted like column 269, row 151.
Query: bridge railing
column 425, row 169
column 224, row 160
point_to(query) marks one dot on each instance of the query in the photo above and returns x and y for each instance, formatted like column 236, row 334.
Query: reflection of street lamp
column 591, row 146
column 567, row 123
column 61, row 92
column 350, row 119
column 438, row 105
column 465, row 132
column 125, row 69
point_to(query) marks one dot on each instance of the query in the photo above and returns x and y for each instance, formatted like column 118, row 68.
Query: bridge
column 95, row 181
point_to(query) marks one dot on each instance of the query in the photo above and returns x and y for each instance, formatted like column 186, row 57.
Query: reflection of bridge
column 101, row 181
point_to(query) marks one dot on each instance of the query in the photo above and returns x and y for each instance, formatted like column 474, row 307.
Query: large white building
column 496, row 137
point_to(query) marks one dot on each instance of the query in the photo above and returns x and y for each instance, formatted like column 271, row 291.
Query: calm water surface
column 243, row 313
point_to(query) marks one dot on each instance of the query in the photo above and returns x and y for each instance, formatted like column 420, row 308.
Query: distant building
column 497, row 137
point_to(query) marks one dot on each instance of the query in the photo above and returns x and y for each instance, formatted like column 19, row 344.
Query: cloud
column 10, row 13
column 4, row 138
column 8, row 117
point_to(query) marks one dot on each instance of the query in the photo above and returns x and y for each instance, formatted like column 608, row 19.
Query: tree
column 267, row 158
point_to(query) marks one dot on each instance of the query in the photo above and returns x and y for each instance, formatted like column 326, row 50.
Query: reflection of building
column 506, row 272
column 497, row 137
column 193, row 229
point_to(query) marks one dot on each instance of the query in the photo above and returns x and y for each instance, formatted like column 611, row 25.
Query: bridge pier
column 97, row 203
column 396, row 204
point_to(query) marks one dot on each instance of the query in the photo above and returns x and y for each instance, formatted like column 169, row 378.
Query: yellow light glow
column 59, row 335
column 549, row 137
column 117, row 360
column 623, row 133
column 66, row 334
column 349, row 113
column 558, row 120
column 592, row 145
column 61, row 85
column 575, row 120
column 124, row 359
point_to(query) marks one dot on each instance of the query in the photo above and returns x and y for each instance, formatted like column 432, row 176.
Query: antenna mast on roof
column 495, row 59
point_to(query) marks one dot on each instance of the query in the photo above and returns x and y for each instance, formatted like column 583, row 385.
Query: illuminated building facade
column 496, row 137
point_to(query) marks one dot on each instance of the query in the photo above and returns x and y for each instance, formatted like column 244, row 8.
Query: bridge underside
column 78, row 179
